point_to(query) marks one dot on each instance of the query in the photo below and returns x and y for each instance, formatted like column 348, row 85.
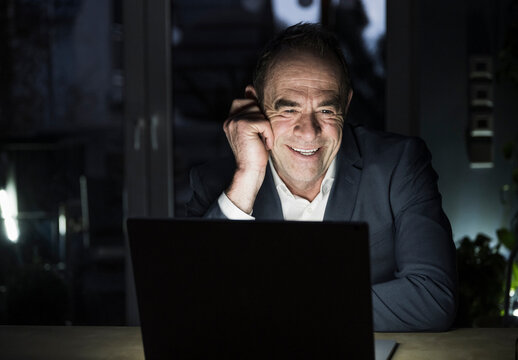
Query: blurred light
column 253, row 6
column 511, row 292
column 11, row 227
column 62, row 224
column 290, row 12
column 176, row 35
column 9, row 212
column 375, row 11
column 515, row 312
column 481, row 165
column 62, row 230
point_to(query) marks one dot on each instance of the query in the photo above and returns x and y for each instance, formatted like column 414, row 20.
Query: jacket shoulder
column 207, row 182
column 384, row 146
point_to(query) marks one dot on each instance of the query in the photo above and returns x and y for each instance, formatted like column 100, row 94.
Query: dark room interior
column 106, row 106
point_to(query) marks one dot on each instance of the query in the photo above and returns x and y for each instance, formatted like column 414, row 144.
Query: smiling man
column 295, row 158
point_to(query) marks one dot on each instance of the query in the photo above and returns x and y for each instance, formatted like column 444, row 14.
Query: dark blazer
column 387, row 181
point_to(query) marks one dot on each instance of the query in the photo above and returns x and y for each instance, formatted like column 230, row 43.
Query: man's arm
column 205, row 201
column 423, row 295
column 250, row 137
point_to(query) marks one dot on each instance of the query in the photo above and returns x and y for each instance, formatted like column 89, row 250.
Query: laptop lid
column 252, row 289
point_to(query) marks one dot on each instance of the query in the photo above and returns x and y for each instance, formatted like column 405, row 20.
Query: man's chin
column 308, row 178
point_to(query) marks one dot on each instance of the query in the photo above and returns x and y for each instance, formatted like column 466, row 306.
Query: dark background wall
column 447, row 34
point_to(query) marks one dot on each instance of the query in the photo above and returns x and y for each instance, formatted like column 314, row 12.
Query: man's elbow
column 437, row 310
column 441, row 316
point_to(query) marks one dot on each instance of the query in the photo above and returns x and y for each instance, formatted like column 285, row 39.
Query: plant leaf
column 506, row 238
column 514, row 277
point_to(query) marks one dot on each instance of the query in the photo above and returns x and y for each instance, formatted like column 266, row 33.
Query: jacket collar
column 349, row 166
column 267, row 204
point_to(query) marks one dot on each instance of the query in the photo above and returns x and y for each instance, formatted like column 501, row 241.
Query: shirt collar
column 325, row 187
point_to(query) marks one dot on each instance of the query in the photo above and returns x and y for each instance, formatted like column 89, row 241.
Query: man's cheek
column 277, row 126
column 335, row 121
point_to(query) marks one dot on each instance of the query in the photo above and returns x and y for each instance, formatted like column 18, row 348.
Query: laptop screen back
column 236, row 290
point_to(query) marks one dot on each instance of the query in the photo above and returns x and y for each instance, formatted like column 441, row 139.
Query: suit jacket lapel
column 267, row 204
column 349, row 164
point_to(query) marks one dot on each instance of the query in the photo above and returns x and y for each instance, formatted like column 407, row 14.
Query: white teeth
column 306, row 152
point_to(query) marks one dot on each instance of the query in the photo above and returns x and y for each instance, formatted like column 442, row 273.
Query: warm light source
column 9, row 212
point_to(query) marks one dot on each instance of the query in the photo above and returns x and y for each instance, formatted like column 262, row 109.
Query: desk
column 465, row 344
column 101, row 342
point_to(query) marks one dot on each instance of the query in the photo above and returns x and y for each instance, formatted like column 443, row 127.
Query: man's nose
column 307, row 127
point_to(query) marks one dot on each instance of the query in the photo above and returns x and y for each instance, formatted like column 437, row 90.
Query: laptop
column 252, row 289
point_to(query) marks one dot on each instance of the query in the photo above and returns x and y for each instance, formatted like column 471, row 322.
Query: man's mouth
column 305, row 152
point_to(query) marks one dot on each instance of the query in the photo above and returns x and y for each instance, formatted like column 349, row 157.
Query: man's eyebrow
column 285, row 103
column 335, row 102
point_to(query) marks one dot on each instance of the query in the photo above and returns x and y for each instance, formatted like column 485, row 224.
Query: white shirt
column 293, row 207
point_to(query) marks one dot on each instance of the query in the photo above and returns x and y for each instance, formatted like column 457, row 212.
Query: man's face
column 302, row 102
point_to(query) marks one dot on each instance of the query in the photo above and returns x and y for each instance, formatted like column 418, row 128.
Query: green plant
column 481, row 271
column 506, row 236
column 485, row 277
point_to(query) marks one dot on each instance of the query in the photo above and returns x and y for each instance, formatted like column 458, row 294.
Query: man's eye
column 289, row 111
column 326, row 111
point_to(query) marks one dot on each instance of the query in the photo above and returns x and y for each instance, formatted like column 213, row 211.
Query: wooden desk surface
column 100, row 342
column 465, row 344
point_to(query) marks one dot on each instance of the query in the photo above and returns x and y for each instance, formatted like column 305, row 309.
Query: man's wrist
column 230, row 210
column 244, row 188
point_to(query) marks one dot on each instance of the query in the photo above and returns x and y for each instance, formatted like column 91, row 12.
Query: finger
column 247, row 124
column 244, row 106
column 264, row 129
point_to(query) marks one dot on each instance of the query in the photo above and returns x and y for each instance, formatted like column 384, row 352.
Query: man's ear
column 250, row 93
column 349, row 97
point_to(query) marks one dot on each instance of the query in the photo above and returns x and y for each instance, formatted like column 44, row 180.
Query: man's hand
column 251, row 137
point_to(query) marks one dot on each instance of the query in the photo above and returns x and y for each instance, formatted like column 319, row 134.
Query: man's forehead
column 306, row 70
column 305, row 58
column 330, row 99
column 301, row 89
column 302, row 94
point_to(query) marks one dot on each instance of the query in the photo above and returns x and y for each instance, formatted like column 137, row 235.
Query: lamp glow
column 8, row 212
column 62, row 224
column 515, row 312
